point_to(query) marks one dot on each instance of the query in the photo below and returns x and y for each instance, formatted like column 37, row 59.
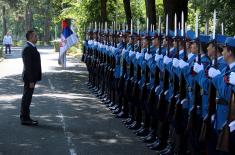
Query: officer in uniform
column 134, row 114
column 163, row 127
column 203, row 80
column 151, row 137
column 224, row 89
column 148, row 83
column 139, row 111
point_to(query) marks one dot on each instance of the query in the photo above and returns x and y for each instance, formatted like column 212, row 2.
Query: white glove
column 158, row 57
column 131, row 53
column 166, row 60
column 232, row 78
column 176, row 62
column 147, row 56
column 95, row 43
column 197, row 67
column 123, row 51
column 89, row 42
column 183, row 64
column 213, row 72
column 138, row 55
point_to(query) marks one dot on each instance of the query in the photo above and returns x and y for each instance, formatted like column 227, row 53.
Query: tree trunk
column 175, row 6
column 151, row 12
column 28, row 17
column 47, row 24
column 207, row 18
column 47, row 33
column 127, row 7
column 103, row 11
column 4, row 20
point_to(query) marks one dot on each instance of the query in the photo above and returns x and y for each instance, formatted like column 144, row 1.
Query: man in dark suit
column 31, row 74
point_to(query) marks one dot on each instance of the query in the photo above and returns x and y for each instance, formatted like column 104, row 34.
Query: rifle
column 144, row 87
column 94, row 63
column 135, row 91
column 173, row 99
column 106, row 67
column 113, row 65
column 97, row 63
column 223, row 143
column 206, row 126
column 121, row 82
column 90, row 62
column 147, row 69
column 182, row 94
column 131, row 75
column 152, row 98
column 161, row 107
column 102, row 68
column 100, row 65
column 109, row 70
column 197, row 100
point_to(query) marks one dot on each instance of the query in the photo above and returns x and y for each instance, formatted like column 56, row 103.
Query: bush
column 56, row 44
column 19, row 42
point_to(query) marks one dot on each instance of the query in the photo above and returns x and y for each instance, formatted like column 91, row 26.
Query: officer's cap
column 230, row 42
column 204, row 39
column 190, row 35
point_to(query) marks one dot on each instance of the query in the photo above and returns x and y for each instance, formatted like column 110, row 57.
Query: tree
column 103, row 11
column 175, row 6
column 4, row 20
column 151, row 12
column 127, row 7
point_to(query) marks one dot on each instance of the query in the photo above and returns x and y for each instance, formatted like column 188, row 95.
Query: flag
column 68, row 38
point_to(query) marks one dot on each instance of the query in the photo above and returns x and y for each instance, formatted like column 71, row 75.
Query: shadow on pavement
column 69, row 116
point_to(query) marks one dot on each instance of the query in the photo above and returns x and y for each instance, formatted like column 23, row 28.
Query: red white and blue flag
column 68, row 38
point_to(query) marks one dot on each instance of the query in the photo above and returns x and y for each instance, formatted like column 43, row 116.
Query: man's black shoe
column 142, row 133
column 121, row 115
column 150, row 138
column 126, row 120
column 111, row 105
column 114, row 107
column 156, row 142
column 158, row 147
column 29, row 122
column 140, row 129
column 129, row 121
column 134, row 126
column 166, row 151
column 116, row 111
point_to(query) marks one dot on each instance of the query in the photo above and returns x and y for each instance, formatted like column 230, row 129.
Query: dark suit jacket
column 32, row 64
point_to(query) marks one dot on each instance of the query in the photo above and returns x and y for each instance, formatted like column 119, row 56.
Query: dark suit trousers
column 26, row 101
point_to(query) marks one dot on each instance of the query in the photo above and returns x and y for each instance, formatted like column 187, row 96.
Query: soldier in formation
column 175, row 90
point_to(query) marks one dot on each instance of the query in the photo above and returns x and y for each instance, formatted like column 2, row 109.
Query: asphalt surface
column 72, row 121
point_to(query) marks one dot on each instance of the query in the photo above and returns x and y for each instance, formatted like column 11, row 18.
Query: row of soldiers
column 174, row 90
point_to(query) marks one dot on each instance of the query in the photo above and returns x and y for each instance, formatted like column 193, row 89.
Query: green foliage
column 56, row 44
column 225, row 14
column 84, row 12
column 42, row 10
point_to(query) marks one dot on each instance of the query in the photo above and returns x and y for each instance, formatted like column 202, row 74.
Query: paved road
column 71, row 120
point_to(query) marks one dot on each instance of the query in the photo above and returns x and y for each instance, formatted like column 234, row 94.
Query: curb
column 1, row 59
